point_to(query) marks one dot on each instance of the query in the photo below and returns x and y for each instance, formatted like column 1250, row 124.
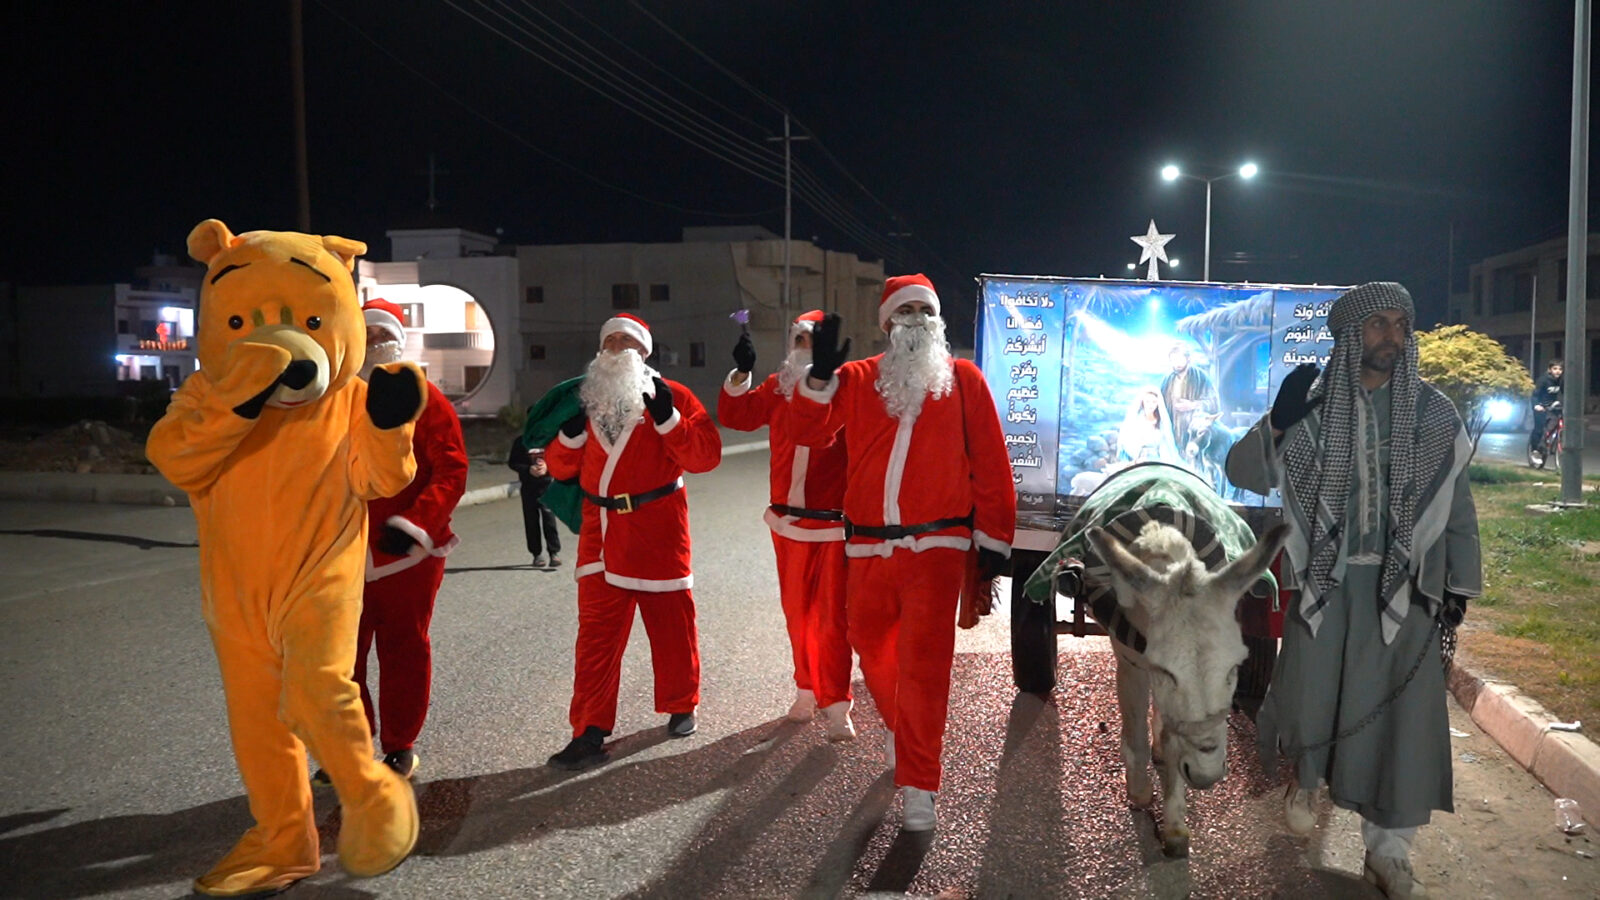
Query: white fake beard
column 379, row 354
column 916, row 364
column 613, row 391
column 793, row 369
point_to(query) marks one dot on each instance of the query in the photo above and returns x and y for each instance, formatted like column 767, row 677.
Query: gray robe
column 1329, row 677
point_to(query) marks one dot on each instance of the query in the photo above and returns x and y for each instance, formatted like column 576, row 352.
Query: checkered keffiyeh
column 1318, row 467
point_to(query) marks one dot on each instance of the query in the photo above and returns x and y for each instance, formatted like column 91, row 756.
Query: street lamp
column 1171, row 172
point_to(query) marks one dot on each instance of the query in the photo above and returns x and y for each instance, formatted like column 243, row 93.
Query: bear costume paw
column 395, row 395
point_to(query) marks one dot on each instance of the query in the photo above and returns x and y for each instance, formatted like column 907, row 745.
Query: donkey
column 1190, row 661
column 1207, row 451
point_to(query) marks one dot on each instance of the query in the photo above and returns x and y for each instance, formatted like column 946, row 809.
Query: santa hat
column 380, row 313
column 632, row 326
column 903, row 289
column 805, row 323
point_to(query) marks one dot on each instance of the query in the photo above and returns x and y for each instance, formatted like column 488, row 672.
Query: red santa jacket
column 423, row 509
column 802, row 477
column 646, row 549
column 947, row 461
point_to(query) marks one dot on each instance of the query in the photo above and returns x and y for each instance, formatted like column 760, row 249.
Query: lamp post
column 1173, row 173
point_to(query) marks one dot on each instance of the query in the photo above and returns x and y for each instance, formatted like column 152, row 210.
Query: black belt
column 627, row 503
column 895, row 532
column 799, row 512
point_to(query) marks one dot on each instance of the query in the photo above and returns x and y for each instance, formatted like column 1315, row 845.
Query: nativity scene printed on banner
column 1092, row 375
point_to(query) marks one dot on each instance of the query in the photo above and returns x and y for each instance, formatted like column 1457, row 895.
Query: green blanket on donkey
column 1122, row 504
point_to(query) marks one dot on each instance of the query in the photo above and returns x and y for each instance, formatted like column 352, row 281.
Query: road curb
column 1567, row 763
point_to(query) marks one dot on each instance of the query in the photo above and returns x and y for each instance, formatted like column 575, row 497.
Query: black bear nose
column 299, row 374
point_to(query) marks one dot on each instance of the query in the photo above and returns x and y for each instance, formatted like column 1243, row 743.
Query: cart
column 1093, row 374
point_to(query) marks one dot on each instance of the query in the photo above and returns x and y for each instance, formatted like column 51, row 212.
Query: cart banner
column 1092, row 376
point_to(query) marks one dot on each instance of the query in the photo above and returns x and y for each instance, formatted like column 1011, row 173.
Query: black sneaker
column 681, row 725
column 585, row 750
column 404, row 762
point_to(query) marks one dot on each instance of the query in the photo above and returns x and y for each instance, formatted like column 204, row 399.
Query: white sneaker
column 919, row 814
column 1300, row 809
column 803, row 708
column 840, row 728
column 888, row 750
column 538, row 561
column 1393, row 876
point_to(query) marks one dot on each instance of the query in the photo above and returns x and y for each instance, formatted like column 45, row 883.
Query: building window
column 624, row 296
column 536, row 351
column 535, row 294
column 659, row 293
column 413, row 317
column 697, row 354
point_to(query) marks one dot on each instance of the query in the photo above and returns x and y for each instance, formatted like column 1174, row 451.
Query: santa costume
column 929, row 488
column 629, row 450
column 807, row 521
column 408, row 537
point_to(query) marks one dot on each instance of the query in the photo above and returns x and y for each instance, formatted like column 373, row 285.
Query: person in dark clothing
column 1546, row 392
column 530, row 468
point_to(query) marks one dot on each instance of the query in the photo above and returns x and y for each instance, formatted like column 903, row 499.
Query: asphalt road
column 118, row 779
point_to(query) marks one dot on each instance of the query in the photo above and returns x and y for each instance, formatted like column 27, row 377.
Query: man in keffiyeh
column 1372, row 466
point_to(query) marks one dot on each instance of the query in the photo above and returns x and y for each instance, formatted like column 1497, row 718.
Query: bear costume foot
column 250, row 870
column 381, row 833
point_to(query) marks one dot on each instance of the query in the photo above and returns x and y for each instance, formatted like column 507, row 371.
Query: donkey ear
column 1125, row 567
column 1235, row 578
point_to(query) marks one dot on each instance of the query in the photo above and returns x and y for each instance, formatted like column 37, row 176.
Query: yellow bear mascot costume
column 279, row 444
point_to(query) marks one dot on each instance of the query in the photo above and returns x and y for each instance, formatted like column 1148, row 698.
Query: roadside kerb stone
column 1567, row 763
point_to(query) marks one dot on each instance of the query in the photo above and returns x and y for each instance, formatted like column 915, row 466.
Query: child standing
column 530, row 468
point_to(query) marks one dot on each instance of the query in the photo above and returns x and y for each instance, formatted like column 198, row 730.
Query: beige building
column 1519, row 298
column 497, row 326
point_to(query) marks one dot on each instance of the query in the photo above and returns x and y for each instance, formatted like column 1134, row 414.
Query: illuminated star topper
column 1154, row 245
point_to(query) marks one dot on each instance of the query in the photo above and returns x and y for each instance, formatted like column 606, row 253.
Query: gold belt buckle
column 627, row 503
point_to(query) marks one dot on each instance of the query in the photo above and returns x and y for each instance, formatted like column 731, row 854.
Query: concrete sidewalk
column 488, row 480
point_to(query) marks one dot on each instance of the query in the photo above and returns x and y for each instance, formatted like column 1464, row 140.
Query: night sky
column 1003, row 137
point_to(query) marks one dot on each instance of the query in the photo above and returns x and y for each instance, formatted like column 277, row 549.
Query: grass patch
column 1538, row 622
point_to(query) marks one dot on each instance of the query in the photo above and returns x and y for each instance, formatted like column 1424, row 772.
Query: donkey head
column 1193, row 644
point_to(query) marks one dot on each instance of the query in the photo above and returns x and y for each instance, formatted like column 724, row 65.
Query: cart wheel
column 1033, row 631
column 1255, row 674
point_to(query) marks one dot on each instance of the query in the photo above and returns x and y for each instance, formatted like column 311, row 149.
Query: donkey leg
column 1174, row 805
column 1133, row 700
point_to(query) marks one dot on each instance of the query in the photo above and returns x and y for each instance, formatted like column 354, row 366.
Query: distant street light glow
column 1170, row 173
column 1248, row 170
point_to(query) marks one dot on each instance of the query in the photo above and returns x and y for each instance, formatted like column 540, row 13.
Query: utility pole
column 1575, row 390
column 297, row 69
column 788, row 210
column 433, row 171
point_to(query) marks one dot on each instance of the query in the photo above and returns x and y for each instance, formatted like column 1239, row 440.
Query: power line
column 518, row 138
column 614, row 89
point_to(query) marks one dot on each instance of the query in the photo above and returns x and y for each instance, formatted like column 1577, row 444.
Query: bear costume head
column 285, row 289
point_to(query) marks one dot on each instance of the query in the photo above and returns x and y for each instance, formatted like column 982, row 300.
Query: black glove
column 1453, row 610
column 660, row 405
column 826, row 353
column 394, row 542
column 1291, row 404
column 575, row 425
column 744, row 354
column 392, row 400
column 991, row 564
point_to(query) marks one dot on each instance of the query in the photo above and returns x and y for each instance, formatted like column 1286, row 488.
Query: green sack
column 560, row 403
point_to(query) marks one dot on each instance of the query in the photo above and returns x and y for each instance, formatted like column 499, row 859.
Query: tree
column 1471, row 369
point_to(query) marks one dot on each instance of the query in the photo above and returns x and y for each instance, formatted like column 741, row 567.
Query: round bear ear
column 208, row 239
column 344, row 248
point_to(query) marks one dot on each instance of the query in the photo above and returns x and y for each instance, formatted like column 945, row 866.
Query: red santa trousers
column 395, row 613
column 811, row 576
column 902, row 621
column 605, row 617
